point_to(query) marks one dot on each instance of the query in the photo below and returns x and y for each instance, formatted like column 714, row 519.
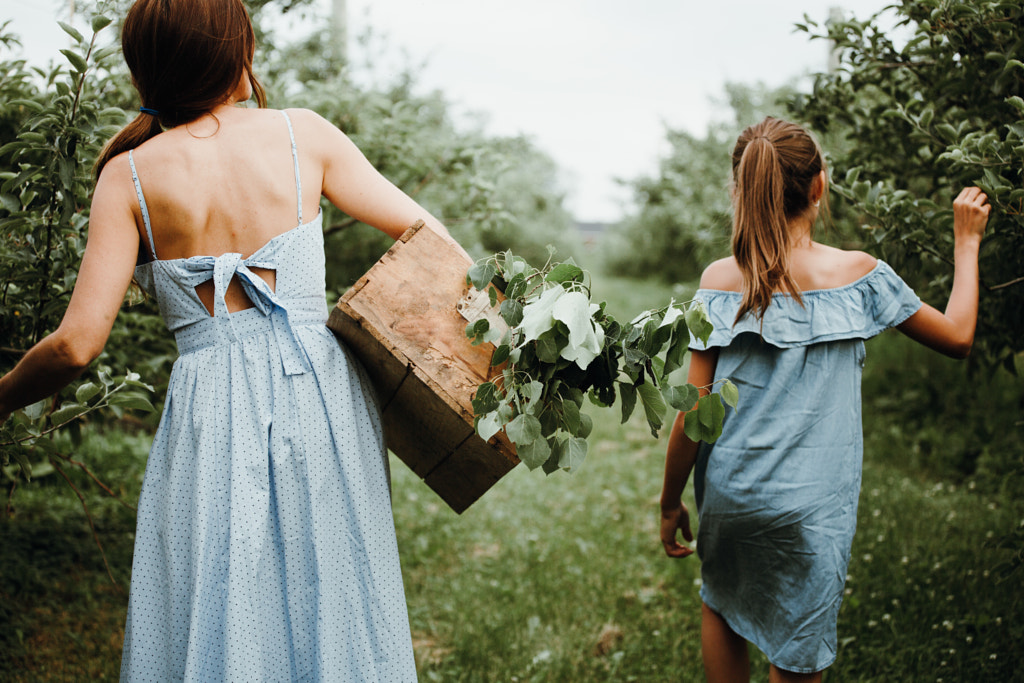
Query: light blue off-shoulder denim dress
column 265, row 547
column 777, row 493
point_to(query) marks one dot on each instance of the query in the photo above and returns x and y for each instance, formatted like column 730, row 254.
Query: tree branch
column 88, row 516
column 109, row 492
column 1004, row 285
column 338, row 227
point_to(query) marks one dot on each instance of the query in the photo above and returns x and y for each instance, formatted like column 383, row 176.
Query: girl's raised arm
column 952, row 332
column 107, row 266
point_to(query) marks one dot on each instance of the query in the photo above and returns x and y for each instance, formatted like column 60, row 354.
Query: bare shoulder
column 857, row 264
column 722, row 274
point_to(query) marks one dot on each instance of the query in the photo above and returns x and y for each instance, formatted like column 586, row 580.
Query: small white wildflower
column 969, row 639
column 886, row 617
column 948, row 625
column 867, row 557
column 904, row 560
column 872, row 623
column 880, row 538
column 876, row 512
column 992, row 656
column 999, row 621
column 698, row 582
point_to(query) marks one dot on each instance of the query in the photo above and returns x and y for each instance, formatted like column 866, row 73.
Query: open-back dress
column 265, row 548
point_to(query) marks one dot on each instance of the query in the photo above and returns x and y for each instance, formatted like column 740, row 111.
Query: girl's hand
column 970, row 214
column 673, row 520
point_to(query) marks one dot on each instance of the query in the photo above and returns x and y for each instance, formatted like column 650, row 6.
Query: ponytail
column 141, row 128
column 774, row 164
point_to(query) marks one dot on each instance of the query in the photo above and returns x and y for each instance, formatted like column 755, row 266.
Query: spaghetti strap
column 142, row 205
column 295, row 161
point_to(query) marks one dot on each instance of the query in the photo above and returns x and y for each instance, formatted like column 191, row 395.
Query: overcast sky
column 593, row 83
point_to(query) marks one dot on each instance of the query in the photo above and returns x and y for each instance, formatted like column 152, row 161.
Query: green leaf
column 682, row 398
column 586, row 426
column 488, row 425
column 71, row 31
column 516, row 286
column 697, row 321
column 37, row 409
column 86, row 391
column 574, row 454
column 547, row 347
column 564, row 272
column 511, row 312
column 654, row 406
column 534, row 453
column 100, row 22
column 500, row 355
column 76, row 61
column 523, row 429
column 486, row 398
column 67, row 412
column 131, row 401
column 730, row 394
column 481, row 274
column 627, row 395
column 571, row 416
column 705, row 423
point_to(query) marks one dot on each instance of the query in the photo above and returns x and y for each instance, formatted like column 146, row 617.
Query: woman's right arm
column 103, row 279
column 353, row 185
column 952, row 332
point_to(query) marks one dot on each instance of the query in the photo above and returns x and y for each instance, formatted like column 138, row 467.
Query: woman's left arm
column 106, row 271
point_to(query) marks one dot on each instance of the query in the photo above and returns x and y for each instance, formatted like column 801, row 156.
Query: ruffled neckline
column 861, row 309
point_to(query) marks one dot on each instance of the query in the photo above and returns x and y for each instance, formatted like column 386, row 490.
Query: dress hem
column 740, row 633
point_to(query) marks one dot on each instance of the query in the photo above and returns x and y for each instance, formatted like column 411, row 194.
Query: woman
column 265, row 547
column 777, row 492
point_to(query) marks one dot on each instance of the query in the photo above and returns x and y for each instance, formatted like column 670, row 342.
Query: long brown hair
column 774, row 165
column 185, row 57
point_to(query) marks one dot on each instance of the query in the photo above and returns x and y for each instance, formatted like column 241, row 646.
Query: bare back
column 221, row 185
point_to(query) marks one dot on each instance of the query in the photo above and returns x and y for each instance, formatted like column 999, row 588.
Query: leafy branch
column 558, row 347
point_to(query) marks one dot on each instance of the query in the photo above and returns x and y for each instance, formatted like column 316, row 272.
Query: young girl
column 265, row 548
column 777, row 493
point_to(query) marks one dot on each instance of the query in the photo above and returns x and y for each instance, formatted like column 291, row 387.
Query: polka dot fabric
column 265, row 548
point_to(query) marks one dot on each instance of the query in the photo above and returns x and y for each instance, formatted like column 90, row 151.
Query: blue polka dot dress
column 265, row 548
column 777, row 493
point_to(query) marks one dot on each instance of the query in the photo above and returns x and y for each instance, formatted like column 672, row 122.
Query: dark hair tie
column 147, row 110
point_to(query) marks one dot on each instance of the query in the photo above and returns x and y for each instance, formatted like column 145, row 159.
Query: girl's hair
column 186, row 57
column 773, row 165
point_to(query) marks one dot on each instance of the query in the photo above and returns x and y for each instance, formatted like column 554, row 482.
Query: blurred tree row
column 904, row 127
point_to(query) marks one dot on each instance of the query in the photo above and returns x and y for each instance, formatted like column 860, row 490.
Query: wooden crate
column 402, row 320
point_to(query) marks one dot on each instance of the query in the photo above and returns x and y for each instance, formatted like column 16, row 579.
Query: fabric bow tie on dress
column 227, row 266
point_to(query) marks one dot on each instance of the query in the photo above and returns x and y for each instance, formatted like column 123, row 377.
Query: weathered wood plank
column 401, row 320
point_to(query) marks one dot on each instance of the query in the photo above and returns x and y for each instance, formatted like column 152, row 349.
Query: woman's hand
column 970, row 215
column 674, row 520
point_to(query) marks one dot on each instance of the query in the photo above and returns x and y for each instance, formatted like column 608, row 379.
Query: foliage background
column 933, row 594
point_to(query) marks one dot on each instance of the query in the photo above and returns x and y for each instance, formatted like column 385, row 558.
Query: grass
column 562, row 578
